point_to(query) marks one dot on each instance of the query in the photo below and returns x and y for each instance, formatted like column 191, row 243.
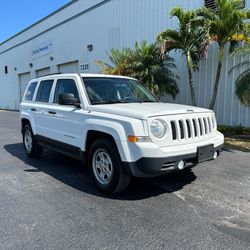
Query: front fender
column 113, row 128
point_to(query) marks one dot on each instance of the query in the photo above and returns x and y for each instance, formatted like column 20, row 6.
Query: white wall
column 116, row 23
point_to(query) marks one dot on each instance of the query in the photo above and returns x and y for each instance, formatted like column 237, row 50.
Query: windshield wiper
column 119, row 101
column 108, row 102
column 141, row 101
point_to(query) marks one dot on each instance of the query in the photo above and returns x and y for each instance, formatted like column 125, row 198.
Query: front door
column 65, row 121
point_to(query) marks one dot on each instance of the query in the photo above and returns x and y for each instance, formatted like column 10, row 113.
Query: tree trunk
column 217, row 79
column 190, row 77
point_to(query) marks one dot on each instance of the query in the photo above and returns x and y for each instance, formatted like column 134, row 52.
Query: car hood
column 146, row 110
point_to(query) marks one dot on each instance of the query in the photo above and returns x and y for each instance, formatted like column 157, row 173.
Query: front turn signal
column 136, row 139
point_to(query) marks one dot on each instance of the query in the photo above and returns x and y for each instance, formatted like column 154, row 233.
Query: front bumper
column 151, row 167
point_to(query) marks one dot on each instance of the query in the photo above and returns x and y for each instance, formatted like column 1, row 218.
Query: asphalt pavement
column 51, row 203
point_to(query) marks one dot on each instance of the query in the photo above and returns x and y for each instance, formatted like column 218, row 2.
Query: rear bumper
column 150, row 167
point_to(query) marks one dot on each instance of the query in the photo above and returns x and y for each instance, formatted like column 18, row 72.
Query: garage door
column 43, row 72
column 71, row 67
column 23, row 82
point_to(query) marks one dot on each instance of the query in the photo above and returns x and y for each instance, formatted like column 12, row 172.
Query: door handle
column 33, row 109
column 52, row 112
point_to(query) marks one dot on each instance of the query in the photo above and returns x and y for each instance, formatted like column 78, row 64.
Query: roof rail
column 52, row 74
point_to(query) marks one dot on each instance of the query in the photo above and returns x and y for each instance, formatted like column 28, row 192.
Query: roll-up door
column 43, row 72
column 23, row 83
column 71, row 67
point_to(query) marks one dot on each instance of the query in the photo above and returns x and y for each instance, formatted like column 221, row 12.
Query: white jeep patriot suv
column 117, row 126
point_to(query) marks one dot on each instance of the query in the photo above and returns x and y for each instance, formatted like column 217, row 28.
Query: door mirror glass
column 68, row 99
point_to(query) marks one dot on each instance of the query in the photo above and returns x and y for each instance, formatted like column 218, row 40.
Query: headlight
column 158, row 128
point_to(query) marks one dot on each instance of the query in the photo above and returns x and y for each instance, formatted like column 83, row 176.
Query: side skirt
column 61, row 147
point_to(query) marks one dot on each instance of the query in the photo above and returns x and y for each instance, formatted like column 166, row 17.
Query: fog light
column 215, row 154
column 181, row 165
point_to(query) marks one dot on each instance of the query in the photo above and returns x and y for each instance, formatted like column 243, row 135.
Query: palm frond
column 239, row 65
column 242, row 89
column 242, row 50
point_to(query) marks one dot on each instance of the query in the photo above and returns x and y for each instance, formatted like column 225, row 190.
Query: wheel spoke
column 102, row 176
column 98, row 164
column 109, row 173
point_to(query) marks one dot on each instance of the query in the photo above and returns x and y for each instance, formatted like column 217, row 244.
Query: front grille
column 183, row 129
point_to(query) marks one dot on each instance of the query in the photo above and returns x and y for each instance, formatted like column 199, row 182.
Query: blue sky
column 16, row 15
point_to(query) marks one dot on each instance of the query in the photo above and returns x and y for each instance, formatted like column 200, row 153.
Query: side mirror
column 68, row 99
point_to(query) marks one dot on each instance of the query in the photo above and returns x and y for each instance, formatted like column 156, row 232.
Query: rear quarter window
column 44, row 90
column 30, row 91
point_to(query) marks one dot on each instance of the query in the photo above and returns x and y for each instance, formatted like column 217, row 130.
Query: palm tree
column 153, row 70
column 226, row 26
column 242, row 86
column 190, row 38
column 145, row 64
column 119, row 60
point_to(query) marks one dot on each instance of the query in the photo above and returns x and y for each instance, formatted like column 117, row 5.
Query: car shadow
column 72, row 173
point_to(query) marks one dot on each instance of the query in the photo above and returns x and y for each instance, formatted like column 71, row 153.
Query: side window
column 65, row 86
column 44, row 91
column 30, row 91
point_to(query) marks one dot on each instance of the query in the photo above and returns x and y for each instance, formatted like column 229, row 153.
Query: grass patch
column 237, row 137
column 237, row 143
column 232, row 131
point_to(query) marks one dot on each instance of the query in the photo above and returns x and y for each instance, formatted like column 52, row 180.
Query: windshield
column 103, row 90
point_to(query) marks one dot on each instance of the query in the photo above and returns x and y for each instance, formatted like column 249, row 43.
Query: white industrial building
column 72, row 38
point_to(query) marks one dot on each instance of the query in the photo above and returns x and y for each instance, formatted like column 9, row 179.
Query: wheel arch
column 93, row 135
column 25, row 118
column 24, row 121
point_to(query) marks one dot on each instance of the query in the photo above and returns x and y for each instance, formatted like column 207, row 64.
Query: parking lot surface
column 50, row 203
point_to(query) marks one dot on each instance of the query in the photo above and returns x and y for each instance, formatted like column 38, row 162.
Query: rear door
column 41, row 108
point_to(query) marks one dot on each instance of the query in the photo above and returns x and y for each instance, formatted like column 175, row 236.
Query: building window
column 210, row 4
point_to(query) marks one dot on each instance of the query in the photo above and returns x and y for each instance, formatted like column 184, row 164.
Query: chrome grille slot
column 173, row 128
column 209, row 125
column 205, row 125
column 181, row 129
column 188, row 128
column 195, row 128
column 200, row 127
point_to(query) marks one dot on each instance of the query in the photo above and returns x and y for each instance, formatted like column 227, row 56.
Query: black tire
column 31, row 147
column 118, row 180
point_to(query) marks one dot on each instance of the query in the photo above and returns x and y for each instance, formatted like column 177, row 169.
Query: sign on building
column 42, row 49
